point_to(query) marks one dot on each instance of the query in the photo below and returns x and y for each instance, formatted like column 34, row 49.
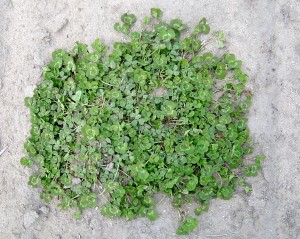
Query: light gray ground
column 264, row 34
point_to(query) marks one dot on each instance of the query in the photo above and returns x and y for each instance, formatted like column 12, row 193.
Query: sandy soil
column 264, row 34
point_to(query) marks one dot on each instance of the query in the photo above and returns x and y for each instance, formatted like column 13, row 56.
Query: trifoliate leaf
column 156, row 12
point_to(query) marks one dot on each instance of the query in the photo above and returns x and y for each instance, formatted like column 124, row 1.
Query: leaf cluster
column 100, row 127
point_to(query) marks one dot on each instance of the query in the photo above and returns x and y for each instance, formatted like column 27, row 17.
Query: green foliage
column 156, row 12
column 159, row 113
column 201, row 208
column 26, row 162
column 187, row 226
column 220, row 39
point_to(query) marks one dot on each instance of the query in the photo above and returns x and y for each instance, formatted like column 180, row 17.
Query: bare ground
column 264, row 34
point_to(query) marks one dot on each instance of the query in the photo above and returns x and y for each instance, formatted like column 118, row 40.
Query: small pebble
column 75, row 181
column 45, row 210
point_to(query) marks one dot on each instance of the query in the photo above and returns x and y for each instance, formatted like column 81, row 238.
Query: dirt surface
column 264, row 34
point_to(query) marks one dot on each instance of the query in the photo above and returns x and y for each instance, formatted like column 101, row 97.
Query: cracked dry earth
column 264, row 34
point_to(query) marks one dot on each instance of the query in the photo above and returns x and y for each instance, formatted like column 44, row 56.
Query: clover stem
column 116, row 172
column 106, row 83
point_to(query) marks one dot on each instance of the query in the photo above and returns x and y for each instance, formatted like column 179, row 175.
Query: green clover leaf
column 92, row 70
column 178, row 25
column 34, row 181
column 121, row 147
column 26, row 162
column 166, row 35
column 192, row 183
column 156, row 12
column 187, row 226
column 129, row 19
column 89, row 132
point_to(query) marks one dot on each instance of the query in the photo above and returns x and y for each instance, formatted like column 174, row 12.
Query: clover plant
column 158, row 113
